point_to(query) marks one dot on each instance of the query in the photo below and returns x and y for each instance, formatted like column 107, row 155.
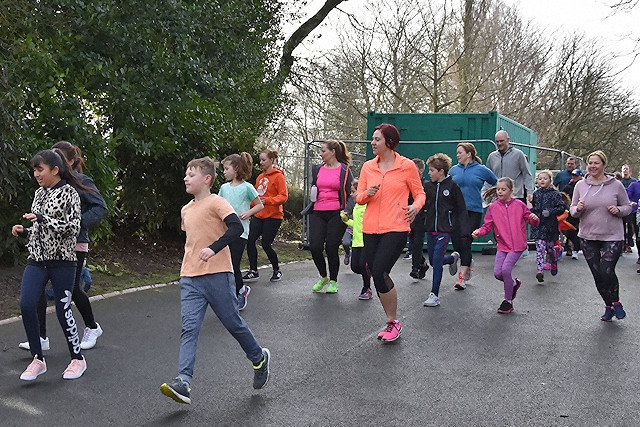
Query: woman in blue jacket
column 470, row 175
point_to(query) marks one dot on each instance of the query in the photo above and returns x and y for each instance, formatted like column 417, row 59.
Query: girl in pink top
column 508, row 217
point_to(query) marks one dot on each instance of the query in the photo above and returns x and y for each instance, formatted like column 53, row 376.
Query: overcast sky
column 557, row 18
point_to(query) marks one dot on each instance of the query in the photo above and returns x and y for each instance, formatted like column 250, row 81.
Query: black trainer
column 261, row 370
column 178, row 390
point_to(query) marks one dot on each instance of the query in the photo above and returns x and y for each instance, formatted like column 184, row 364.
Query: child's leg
column 509, row 262
column 193, row 306
column 358, row 266
column 347, row 237
column 236, row 247
column 220, row 295
column 437, row 247
column 541, row 250
column 62, row 281
column 553, row 255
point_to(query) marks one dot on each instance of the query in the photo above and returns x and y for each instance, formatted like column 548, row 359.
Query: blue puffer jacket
column 549, row 199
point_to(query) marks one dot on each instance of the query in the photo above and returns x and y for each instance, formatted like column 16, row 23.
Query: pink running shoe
column 391, row 332
column 35, row 368
column 75, row 369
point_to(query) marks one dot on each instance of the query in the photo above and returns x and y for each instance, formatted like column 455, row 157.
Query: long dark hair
column 52, row 159
column 71, row 153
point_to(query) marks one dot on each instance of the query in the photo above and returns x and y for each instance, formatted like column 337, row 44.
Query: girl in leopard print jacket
column 51, row 240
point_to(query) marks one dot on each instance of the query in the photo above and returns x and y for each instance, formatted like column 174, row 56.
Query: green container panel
column 424, row 134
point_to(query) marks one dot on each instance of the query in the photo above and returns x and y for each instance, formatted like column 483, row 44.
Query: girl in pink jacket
column 508, row 218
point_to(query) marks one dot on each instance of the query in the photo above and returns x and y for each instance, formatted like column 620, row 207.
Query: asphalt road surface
column 550, row 363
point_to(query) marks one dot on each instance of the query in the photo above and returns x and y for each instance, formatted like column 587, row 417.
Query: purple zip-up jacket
column 596, row 222
column 509, row 223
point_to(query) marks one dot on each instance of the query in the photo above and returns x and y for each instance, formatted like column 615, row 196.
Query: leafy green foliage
column 141, row 86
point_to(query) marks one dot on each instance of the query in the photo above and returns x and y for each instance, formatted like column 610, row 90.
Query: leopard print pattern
column 53, row 236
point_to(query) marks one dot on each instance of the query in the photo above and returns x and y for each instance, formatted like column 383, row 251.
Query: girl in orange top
column 384, row 186
column 272, row 190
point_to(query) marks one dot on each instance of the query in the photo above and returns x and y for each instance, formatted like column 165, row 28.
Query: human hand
column 475, row 233
column 613, row 210
column 533, row 217
column 373, row 190
column 206, row 253
column 30, row 216
column 580, row 205
column 344, row 216
column 17, row 229
column 410, row 213
column 530, row 198
column 244, row 216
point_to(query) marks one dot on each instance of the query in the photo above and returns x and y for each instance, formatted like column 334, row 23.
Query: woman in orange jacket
column 272, row 190
column 384, row 186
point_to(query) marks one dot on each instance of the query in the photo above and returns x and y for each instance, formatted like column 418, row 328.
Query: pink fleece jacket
column 509, row 223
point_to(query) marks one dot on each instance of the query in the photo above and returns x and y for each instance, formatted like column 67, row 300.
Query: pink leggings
column 505, row 261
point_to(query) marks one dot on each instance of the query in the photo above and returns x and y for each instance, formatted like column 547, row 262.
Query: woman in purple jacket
column 601, row 203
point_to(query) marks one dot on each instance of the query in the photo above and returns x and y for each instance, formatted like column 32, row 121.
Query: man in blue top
column 564, row 176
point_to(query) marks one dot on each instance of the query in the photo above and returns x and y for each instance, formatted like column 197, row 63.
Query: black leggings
column 382, row 252
column 462, row 242
column 236, row 247
column 602, row 258
column 359, row 266
column 268, row 229
column 326, row 229
column 79, row 297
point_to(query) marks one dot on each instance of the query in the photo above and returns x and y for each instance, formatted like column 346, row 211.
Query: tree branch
column 300, row 34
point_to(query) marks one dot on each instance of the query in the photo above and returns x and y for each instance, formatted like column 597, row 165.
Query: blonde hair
column 600, row 154
column 206, row 165
column 492, row 194
column 548, row 172
column 440, row 161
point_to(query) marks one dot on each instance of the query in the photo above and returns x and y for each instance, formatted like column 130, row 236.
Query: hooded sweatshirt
column 513, row 164
column 272, row 189
column 596, row 222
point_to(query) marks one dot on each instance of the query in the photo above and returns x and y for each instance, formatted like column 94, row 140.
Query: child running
column 206, row 279
column 240, row 194
column 445, row 210
column 508, row 217
column 546, row 204
column 51, row 241
column 358, row 261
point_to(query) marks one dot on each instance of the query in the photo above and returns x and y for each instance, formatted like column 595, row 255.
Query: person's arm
column 362, row 198
column 526, row 174
column 624, row 206
column 97, row 206
column 234, row 231
column 489, row 177
column 282, row 193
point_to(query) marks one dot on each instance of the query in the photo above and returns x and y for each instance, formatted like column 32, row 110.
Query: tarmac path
column 550, row 363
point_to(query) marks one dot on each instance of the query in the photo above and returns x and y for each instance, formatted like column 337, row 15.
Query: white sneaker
column 574, row 255
column 453, row 267
column 90, row 336
column 432, row 301
column 44, row 343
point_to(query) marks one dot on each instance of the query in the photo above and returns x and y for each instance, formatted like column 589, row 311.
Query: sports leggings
column 382, row 252
column 326, row 229
column 268, row 229
column 79, row 297
column 602, row 258
column 505, row 261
